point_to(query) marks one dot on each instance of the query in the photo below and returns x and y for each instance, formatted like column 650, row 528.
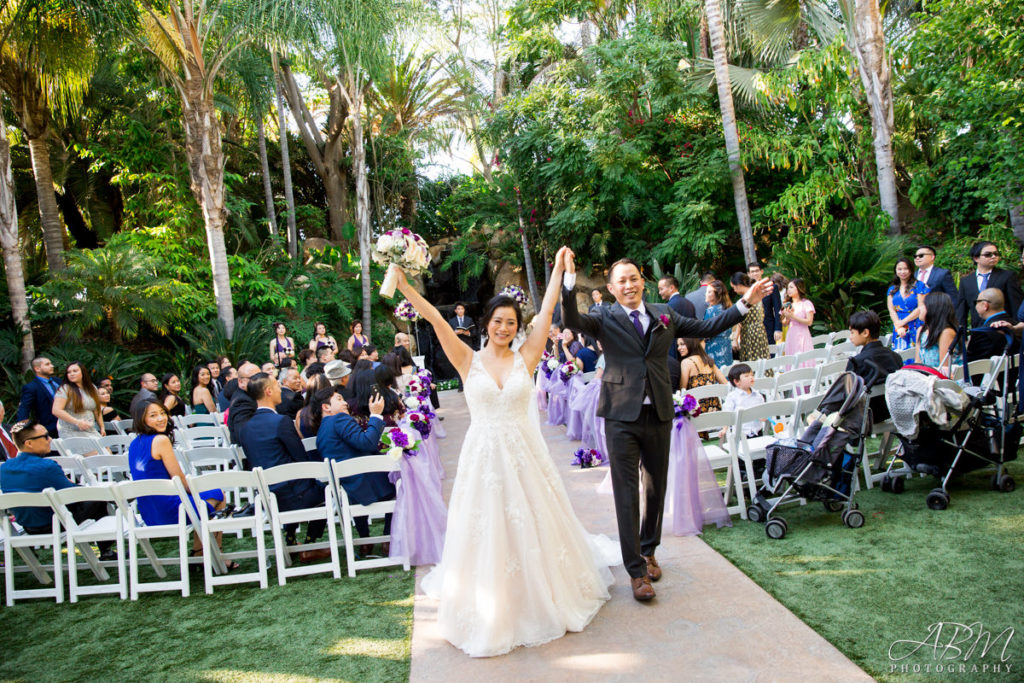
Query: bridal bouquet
column 403, row 248
column 398, row 441
column 587, row 457
column 420, row 422
column 405, row 311
column 685, row 404
column 514, row 292
column 570, row 368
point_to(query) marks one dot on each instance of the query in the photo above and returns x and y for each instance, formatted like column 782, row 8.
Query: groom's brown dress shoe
column 642, row 589
column 653, row 569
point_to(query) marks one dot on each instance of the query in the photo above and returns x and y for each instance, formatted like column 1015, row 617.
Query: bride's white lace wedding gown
column 517, row 568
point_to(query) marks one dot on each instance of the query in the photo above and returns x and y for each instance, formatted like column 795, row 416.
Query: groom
column 636, row 400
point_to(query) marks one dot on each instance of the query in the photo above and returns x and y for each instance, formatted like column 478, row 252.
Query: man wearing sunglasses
column 986, row 275
column 937, row 279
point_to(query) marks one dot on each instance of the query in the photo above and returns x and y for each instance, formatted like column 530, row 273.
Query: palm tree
column 45, row 64
column 12, row 251
column 257, row 77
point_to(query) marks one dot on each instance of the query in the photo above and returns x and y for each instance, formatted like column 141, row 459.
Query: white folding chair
column 814, row 355
column 77, row 445
column 793, row 382
column 723, row 455
column 718, row 391
column 349, row 510
column 107, row 528
column 907, row 354
column 843, row 350
column 209, row 527
column 777, row 349
column 749, row 449
column 106, row 469
column 884, row 430
column 766, row 386
column 210, row 436
column 805, row 407
column 116, row 444
column 290, row 472
column 74, row 468
column 827, row 373
column 25, row 544
column 196, row 420
column 309, row 443
column 840, row 336
column 774, row 364
column 821, row 340
column 123, row 427
column 140, row 535
column 204, row 460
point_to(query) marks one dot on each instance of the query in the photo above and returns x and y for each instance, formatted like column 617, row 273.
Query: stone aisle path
column 709, row 622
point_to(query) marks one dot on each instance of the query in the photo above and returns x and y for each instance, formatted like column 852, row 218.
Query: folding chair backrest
column 800, row 377
column 827, row 372
column 709, row 391
column 78, row 445
column 127, row 491
column 815, row 355
column 73, row 468
column 106, row 468
column 907, row 354
column 116, row 444
column 218, row 458
column 196, row 420
column 79, row 494
column 9, row 501
column 122, row 426
column 295, row 470
column 779, row 411
column 821, row 340
column 774, row 364
column 766, row 386
column 309, row 443
column 363, row 465
column 805, row 405
column 706, row 422
column 843, row 350
column 205, row 437
column 230, row 479
column 840, row 336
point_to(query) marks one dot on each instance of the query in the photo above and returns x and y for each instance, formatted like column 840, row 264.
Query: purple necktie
column 635, row 315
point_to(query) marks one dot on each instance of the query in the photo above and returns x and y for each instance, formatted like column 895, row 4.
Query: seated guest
column 8, row 449
column 170, row 394
column 325, row 355
column 216, row 383
column 305, row 420
column 202, row 391
column 875, row 361
column 985, row 343
column 151, row 456
column 937, row 333
column 107, row 412
column 292, row 387
column 341, row 437
column 306, row 356
column 269, row 439
column 242, row 406
column 148, row 386
column 30, row 471
column 229, row 377
column 742, row 395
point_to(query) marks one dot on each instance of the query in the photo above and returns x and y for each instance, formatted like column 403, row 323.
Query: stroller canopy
column 908, row 393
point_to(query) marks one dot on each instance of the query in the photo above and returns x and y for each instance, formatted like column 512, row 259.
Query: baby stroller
column 953, row 429
column 821, row 465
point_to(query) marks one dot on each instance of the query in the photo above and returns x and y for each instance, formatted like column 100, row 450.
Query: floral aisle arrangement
column 405, row 311
column 420, row 421
column 403, row 248
column 587, row 457
column 399, row 441
column 515, row 293
column 685, row 404
column 549, row 364
column 569, row 368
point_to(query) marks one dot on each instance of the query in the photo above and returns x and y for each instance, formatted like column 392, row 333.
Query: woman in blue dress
column 151, row 456
column 719, row 347
column 938, row 330
column 904, row 299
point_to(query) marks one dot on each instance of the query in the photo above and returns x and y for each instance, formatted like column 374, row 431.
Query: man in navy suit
column 668, row 289
column 985, row 275
column 937, row 279
column 269, row 439
column 772, row 305
column 37, row 396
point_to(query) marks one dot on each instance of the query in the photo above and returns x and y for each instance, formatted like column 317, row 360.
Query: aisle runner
column 709, row 621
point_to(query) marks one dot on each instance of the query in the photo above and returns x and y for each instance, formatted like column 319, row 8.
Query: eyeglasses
column 41, row 436
column 989, row 254
column 922, row 255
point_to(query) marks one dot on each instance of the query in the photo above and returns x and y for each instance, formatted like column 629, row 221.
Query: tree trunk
column 49, row 215
column 286, row 170
column 362, row 204
column 206, row 172
column 12, row 252
column 867, row 43
column 268, row 191
column 716, row 31
column 531, row 278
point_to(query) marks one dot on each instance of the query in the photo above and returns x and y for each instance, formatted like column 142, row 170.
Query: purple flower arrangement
column 396, row 442
column 569, row 368
column 420, row 422
column 549, row 366
column 587, row 457
column 685, row 404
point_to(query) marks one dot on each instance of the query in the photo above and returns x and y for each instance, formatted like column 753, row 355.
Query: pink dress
column 798, row 339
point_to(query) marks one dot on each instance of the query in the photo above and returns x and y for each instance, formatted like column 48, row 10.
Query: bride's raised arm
column 459, row 354
column 533, row 347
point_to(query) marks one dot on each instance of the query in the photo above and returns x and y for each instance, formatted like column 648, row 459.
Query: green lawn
column 908, row 568
column 313, row 628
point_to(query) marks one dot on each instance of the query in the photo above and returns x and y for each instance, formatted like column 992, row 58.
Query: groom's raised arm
column 705, row 329
column 571, row 316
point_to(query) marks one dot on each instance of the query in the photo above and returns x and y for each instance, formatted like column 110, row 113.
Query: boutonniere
column 664, row 320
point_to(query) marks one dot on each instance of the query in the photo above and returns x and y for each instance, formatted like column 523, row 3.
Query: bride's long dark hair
column 501, row 301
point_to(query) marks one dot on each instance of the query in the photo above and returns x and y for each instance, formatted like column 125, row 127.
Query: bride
column 517, row 567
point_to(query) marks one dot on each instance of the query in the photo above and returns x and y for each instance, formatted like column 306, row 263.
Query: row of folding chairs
column 191, row 436
column 124, row 525
column 786, row 385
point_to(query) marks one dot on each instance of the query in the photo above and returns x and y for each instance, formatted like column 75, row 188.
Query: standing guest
column 268, row 368
column 292, row 387
column 772, row 305
column 29, row 470
column 904, row 302
column 321, row 338
column 8, row 449
column 106, row 383
column 202, row 396
column 77, row 405
column 281, row 346
column 357, row 339
column 306, row 356
column 269, row 439
column 170, row 395
column 753, row 342
column 225, row 362
column 242, row 406
column 698, row 298
column 372, row 354
column 216, row 385
column 719, row 347
column 668, row 289
column 325, row 354
column 798, row 313
column 151, row 456
column 463, row 325
column 148, row 386
column 598, row 300
column 107, row 412
column 985, row 275
column 37, row 396
column 935, row 278
column 937, row 332
column 698, row 369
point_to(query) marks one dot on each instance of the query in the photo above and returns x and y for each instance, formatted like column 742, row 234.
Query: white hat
column 336, row 371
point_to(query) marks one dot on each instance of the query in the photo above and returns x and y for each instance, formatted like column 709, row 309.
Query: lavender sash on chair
column 542, row 390
column 693, row 498
column 430, row 450
column 575, row 417
column 418, row 525
column 558, row 398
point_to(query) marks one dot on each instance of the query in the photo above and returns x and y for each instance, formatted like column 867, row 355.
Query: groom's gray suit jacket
column 635, row 365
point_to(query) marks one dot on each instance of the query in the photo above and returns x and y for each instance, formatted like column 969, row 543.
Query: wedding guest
column 321, row 338
column 281, row 346
column 698, row 369
column 77, row 405
column 170, row 395
column 719, row 347
column 8, row 449
column 306, row 423
column 598, row 300
column 874, row 363
column 698, row 298
column 292, row 387
column 752, row 343
column 149, row 385
column 987, row 341
column 772, row 305
column 937, row 332
column 107, row 412
column 225, row 362
column 986, row 274
column 798, row 313
column 357, row 339
column 37, row 395
column 904, row 303
column 325, row 354
column 242, row 406
column 668, row 289
column 229, row 377
column 372, row 354
column 742, row 395
column 268, row 368
column 202, row 396
column 935, row 278
column 306, row 356
column 216, row 385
